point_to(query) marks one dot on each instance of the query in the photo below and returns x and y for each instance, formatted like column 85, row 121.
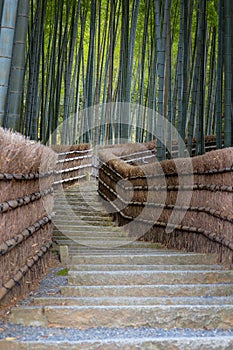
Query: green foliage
column 63, row 272
column 59, row 58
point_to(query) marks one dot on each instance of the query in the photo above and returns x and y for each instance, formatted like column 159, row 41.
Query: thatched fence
column 184, row 203
column 74, row 163
column 29, row 174
column 26, row 188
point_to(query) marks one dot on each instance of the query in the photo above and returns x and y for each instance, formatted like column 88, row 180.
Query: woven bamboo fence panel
column 26, row 189
column 145, row 195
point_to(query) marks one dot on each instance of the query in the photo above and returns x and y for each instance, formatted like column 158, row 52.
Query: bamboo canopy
column 59, row 59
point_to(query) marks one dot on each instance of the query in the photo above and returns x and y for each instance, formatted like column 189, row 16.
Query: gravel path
column 49, row 286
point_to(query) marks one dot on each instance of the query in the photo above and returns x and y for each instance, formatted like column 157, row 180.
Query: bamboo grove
column 59, row 57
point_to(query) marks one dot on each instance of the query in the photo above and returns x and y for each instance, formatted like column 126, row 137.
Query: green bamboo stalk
column 200, row 146
column 33, row 71
column 219, row 77
column 48, row 52
column 1, row 13
column 134, row 18
column 124, row 65
column 69, row 68
column 194, row 90
column 153, row 52
column 168, row 93
column 228, row 73
column 186, row 51
column 211, row 84
column 161, row 143
column 180, row 78
column 7, row 32
column 139, row 132
column 16, row 76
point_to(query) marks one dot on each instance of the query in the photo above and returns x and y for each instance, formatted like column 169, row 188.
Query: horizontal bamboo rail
column 73, row 164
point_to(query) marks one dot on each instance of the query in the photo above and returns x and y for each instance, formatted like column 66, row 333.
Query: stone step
column 83, row 217
column 135, row 248
column 89, row 234
column 139, row 343
column 144, row 277
column 83, row 213
column 67, row 239
column 86, row 221
column 82, row 194
column 82, row 228
column 79, row 198
column 78, row 209
column 91, row 207
column 79, row 194
column 101, row 242
column 156, row 316
column 100, row 250
column 107, row 243
column 118, row 267
column 108, row 301
column 77, row 203
column 140, row 258
column 77, row 249
column 74, row 243
column 133, row 286
column 159, row 290
column 98, row 241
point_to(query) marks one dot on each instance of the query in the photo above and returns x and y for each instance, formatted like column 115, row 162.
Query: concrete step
column 159, row 290
column 150, row 258
column 118, row 267
column 108, row 301
column 156, row 316
column 139, row 343
column 144, row 277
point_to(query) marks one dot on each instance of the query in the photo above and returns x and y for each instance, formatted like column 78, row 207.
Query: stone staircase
column 144, row 296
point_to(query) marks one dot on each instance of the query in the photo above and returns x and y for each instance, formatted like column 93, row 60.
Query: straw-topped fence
column 26, row 189
column 29, row 174
column 74, row 163
column 183, row 203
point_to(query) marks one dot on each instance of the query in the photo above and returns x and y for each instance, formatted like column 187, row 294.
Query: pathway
column 181, row 300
